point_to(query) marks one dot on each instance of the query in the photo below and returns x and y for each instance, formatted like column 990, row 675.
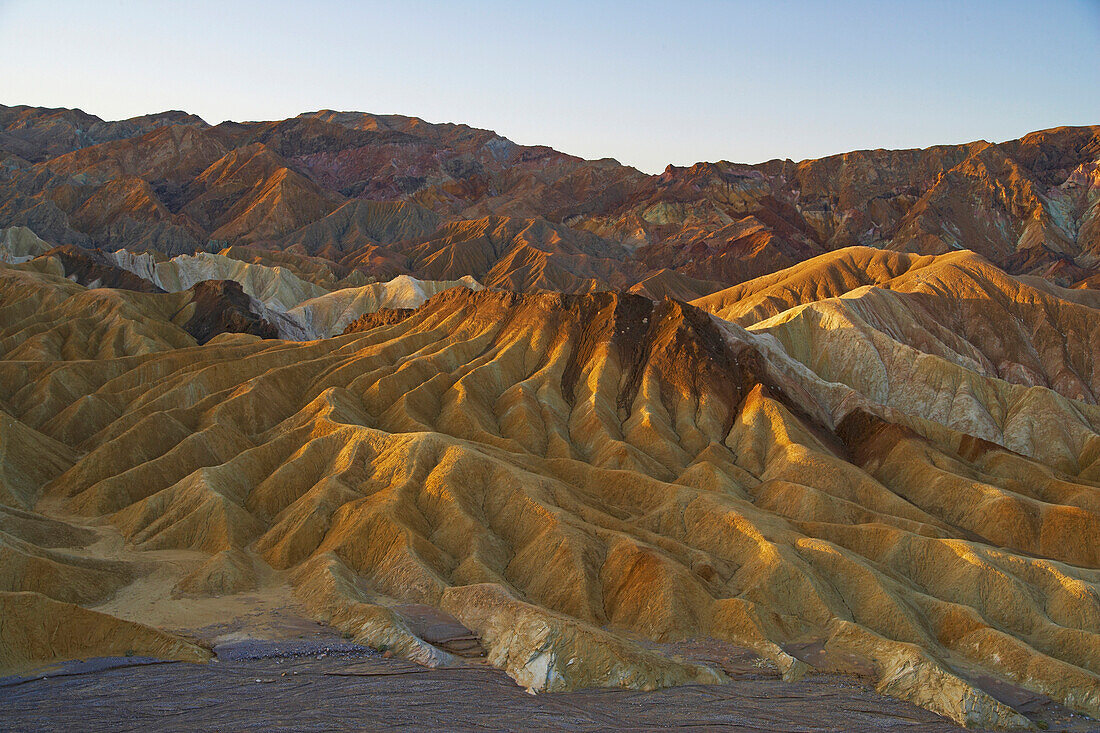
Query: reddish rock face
column 391, row 195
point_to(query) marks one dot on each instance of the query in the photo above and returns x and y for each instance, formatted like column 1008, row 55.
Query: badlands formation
column 366, row 364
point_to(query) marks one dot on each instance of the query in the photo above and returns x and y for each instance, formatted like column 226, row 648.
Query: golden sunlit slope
column 553, row 470
column 37, row 630
column 825, row 276
column 671, row 284
column 46, row 316
column 956, row 307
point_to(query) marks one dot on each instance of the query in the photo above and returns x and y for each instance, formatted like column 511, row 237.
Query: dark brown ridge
column 90, row 267
column 222, row 306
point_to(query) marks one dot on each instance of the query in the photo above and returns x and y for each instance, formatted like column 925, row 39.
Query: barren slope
column 553, row 469
column 389, row 195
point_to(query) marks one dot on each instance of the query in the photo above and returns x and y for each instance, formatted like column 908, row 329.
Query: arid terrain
column 482, row 405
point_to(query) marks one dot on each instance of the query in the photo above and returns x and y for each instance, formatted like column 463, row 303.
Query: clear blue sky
column 649, row 83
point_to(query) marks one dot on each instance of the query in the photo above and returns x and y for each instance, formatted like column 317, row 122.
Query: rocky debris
column 404, row 696
column 440, row 629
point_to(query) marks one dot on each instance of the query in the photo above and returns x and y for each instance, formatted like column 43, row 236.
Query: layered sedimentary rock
column 20, row 244
column 276, row 286
column 468, row 399
column 233, row 295
column 391, row 195
column 876, row 463
column 221, row 306
column 37, row 629
column 93, row 269
column 329, row 314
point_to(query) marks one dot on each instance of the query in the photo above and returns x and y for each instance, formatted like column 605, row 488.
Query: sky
column 647, row 83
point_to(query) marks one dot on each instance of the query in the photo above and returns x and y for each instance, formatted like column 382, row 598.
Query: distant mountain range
column 387, row 195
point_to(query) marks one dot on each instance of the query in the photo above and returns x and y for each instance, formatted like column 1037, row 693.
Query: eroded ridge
column 561, row 474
